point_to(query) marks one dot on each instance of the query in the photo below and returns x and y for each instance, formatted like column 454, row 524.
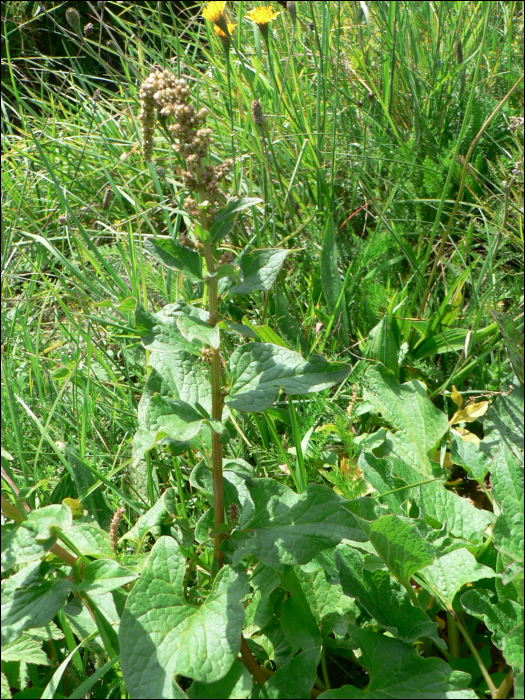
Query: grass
column 388, row 163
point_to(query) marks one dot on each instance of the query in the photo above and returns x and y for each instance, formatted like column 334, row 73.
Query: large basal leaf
column 513, row 342
column 225, row 218
column 383, row 598
column 507, row 489
column 463, row 519
column 259, row 370
column 449, row 573
column 176, row 257
column 500, row 617
column 177, row 376
column 291, row 528
column 504, row 422
column 163, row 513
column 419, row 424
column 378, row 473
column 29, row 600
column 160, row 331
column 103, row 576
column 382, row 346
column 294, row 679
column 237, row 683
column 399, row 544
column 297, row 620
column 32, row 538
column 397, row 671
column 259, row 270
column 27, row 650
column 513, row 653
column 474, row 458
column 162, row 635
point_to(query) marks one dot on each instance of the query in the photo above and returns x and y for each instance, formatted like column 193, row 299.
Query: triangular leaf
column 259, row 270
column 176, row 257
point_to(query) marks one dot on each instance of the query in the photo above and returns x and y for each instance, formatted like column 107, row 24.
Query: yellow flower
column 225, row 38
column 262, row 16
column 216, row 12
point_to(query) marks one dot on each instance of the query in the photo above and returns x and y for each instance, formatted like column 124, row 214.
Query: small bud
column 96, row 95
column 233, row 513
column 161, row 173
column 257, row 113
column 292, row 10
column 88, row 29
column 62, row 220
column 73, row 19
column 101, row 4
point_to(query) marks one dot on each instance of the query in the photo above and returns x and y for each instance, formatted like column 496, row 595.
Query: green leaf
column 382, row 346
column 225, row 218
column 383, row 598
column 500, row 617
column 237, row 683
column 397, row 671
column 470, row 456
column 513, row 649
column 260, row 609
column 512, row 339
column 453, row 339
column 104, row 575
column 507, row 490
column 504, row 422
column 27, row 650
column 6, row 690
column 29, row 600
column 297, row 620
column 449, row 573
column 378, row 473
column 162, row 635
column 295, row 679
column 462, row 518
column 419, row 424
column 91, row 540
column 162, row 514
column 95, row 502
column 193, row 328
column 176, row 257
column 259, row 269
column 259, row 370
column 163, row 420
column 288, row 528
column 399, row 544
column 160, row 331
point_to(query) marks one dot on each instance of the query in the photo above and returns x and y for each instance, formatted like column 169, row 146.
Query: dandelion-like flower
column 216, row 12
column 225, row 38
column 262, row 16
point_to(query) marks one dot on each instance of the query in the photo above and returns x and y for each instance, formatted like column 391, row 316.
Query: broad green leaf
column 29, row 600
column 500, row 617
column 382, row 346
column 378, row 473
column 162, row 635
column 6, row 690
column 297, row 620
column 470, row 456
column 288, row 528
column 453, row 339
column 225, row 218
column 397, row 671
column 91, row 540
column 383, row 598
column 46, row 633
column 177, row 376
column 504, row 422
column 33, row 537
column 176, row 257
column 399, row 544
column 237, row 683
column 419, row 424
column 260, row 609
column 274, row 643
column 507, row 489
column 512, row 339
column 513, row 650
column 259, row 269
column 462, row 518
column 295, row 679
column 194, row 328
column 449, row 573
column 104, row 575
column 162, row 514
column 160, row 332
column 259, row 370
column 163, row 420
column 26, row 649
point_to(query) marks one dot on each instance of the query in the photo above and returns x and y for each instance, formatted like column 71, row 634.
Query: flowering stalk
column 162, row 92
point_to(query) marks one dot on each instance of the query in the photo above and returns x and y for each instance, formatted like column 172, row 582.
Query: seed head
column 257, row 113
column 114, row 527
column 233, row 513
column 107, row 198
column 459, row 52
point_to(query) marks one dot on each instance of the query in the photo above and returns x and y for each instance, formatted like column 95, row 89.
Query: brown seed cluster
column 233, row 513
column 114, row 527
column 257, row 113
column 168, row 96
column 207, row 354
column 226, row 258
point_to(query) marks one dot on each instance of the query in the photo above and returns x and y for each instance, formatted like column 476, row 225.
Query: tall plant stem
column 475, row 654
column 216, row 412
